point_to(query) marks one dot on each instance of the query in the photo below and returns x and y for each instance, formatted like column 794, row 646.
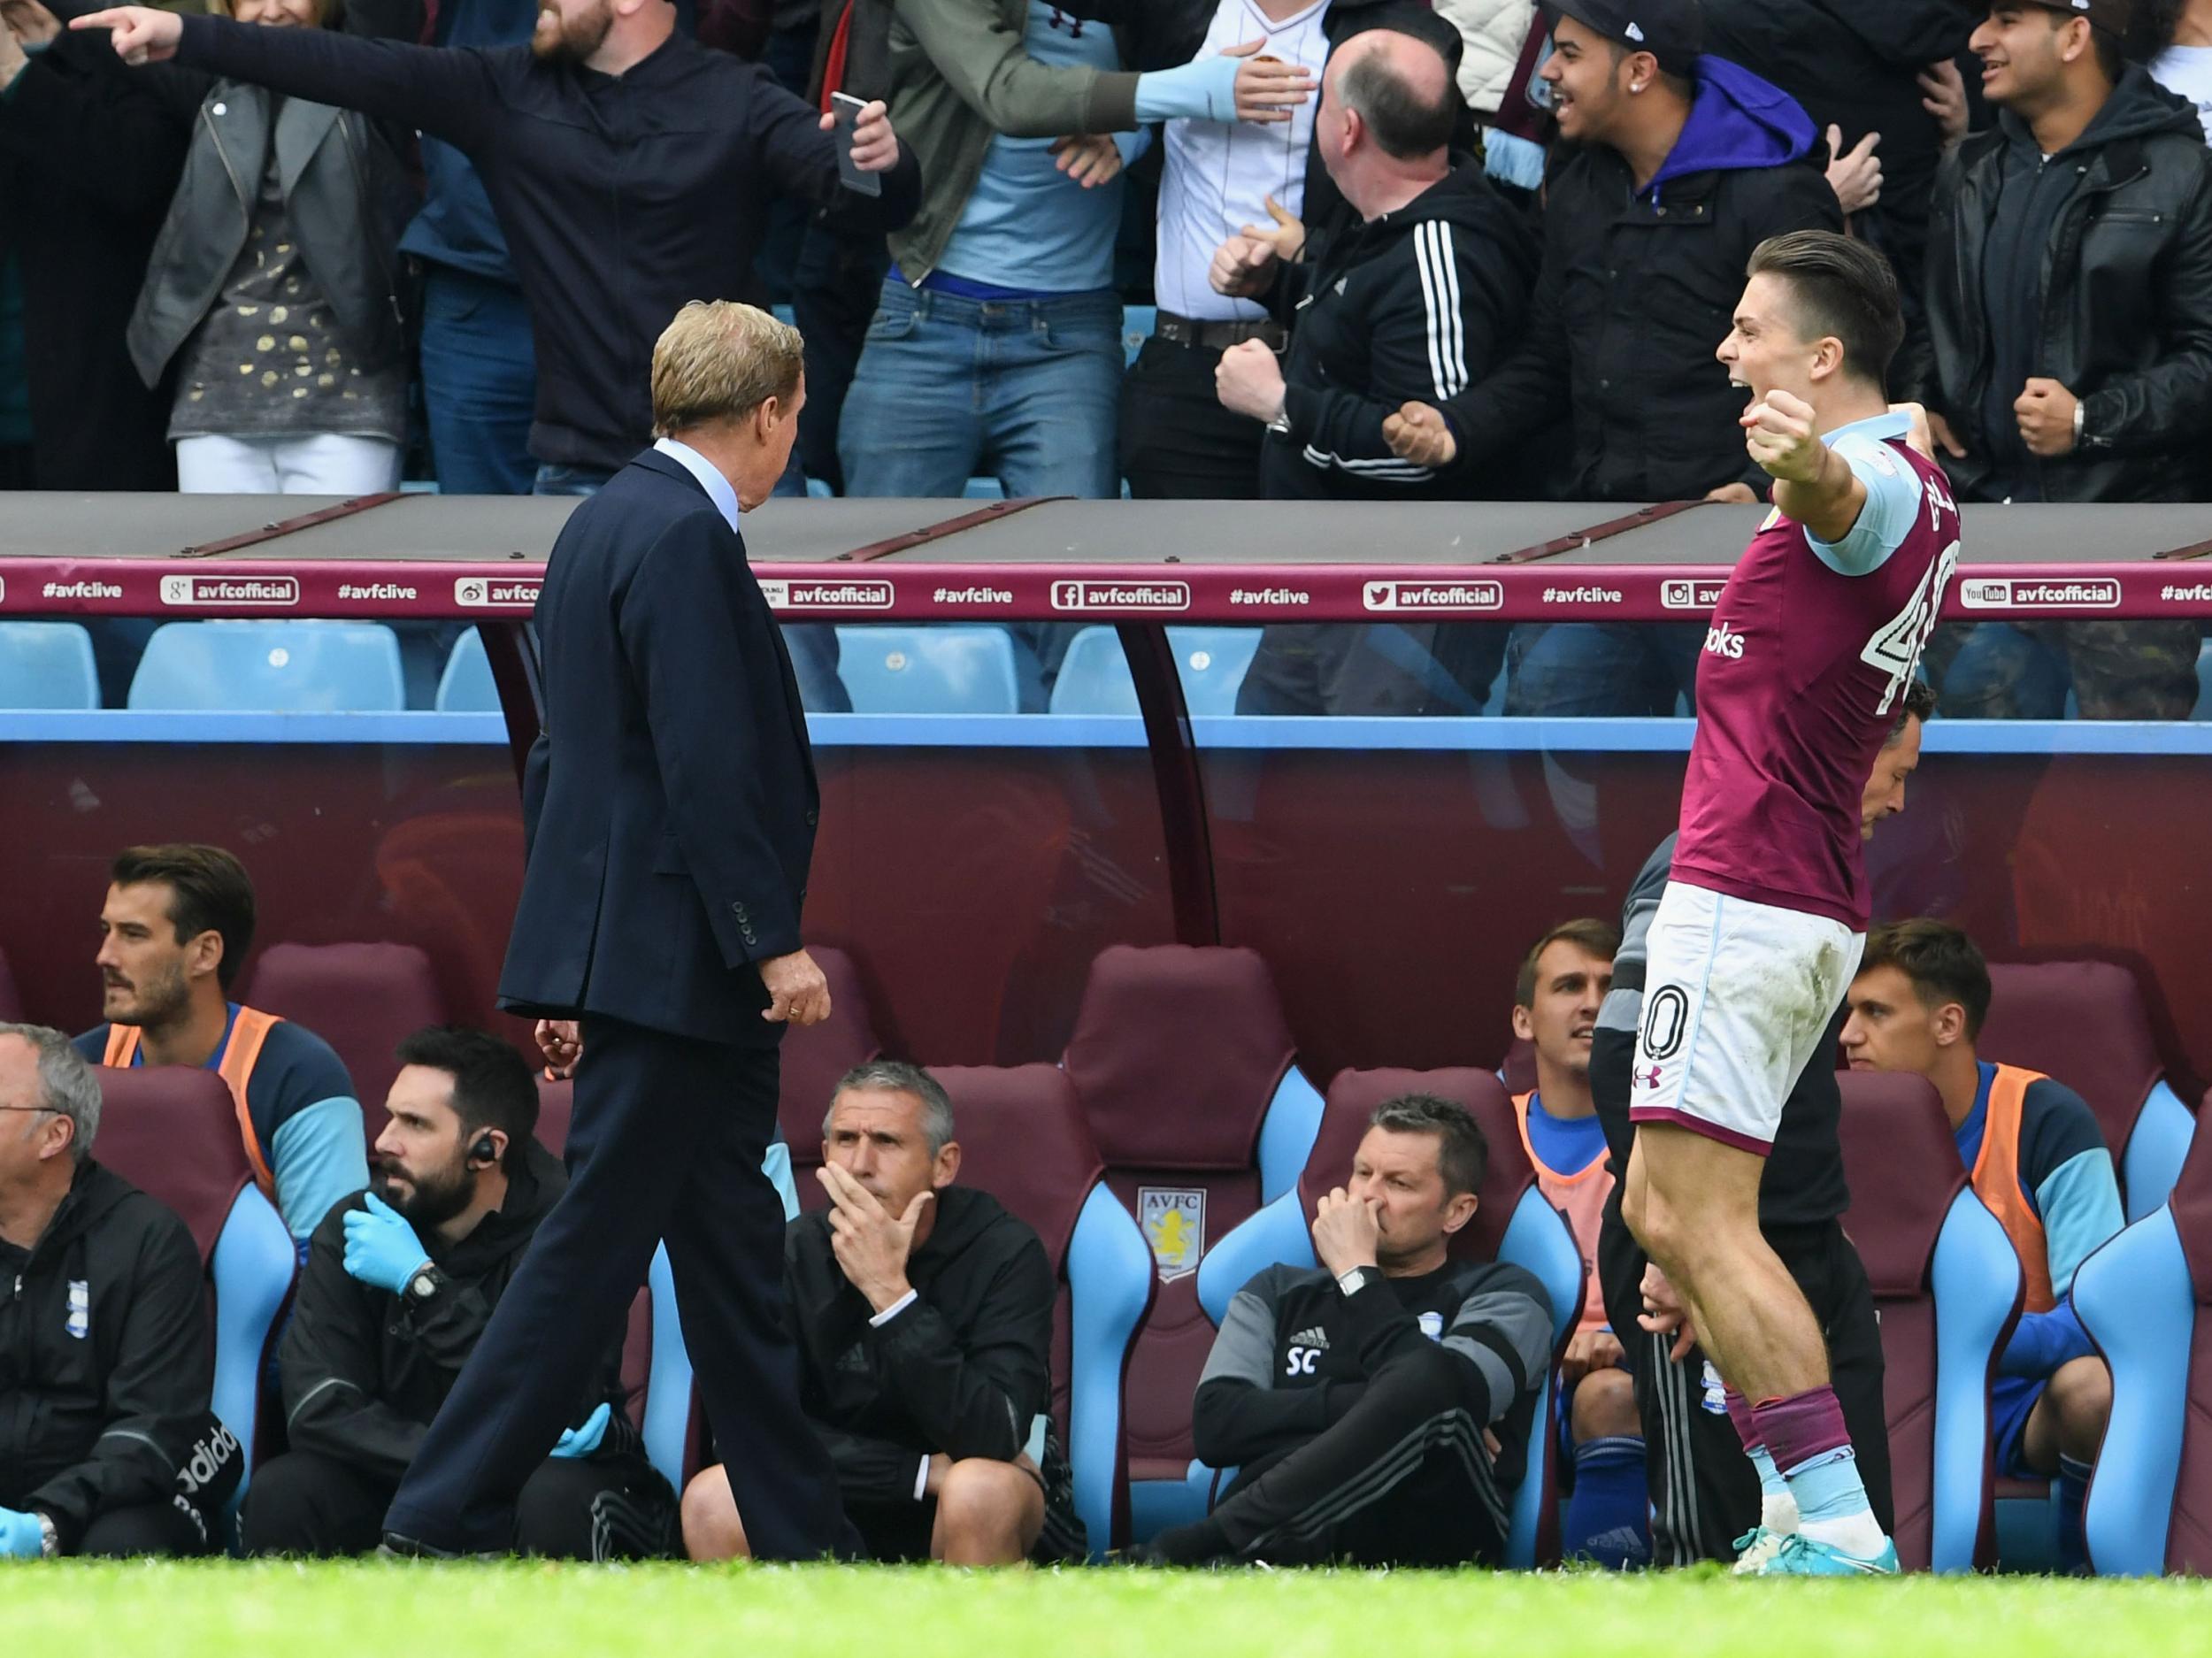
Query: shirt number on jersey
column 1302, row 1360
column 1896, row 646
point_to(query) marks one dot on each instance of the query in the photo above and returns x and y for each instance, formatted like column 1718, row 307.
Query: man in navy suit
column 668, row 813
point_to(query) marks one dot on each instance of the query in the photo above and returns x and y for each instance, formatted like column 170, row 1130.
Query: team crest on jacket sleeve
column 1174, row 1223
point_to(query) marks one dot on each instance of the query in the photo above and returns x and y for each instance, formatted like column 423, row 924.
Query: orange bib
column 1997, row 1183
column 1580, row 1197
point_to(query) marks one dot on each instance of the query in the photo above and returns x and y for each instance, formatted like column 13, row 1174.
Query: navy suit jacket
column 669, row 806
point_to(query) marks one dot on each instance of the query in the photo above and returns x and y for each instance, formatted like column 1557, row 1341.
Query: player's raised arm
column 1813, row 484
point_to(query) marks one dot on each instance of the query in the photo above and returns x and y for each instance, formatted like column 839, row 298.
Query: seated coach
column 923, row 1314
column 401, row 1280
column 1378, row 1407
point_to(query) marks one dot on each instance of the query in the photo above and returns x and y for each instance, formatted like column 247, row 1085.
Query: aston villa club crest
column 1174, row 1223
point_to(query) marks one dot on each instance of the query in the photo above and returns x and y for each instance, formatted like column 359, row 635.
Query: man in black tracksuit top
column 1417, row 299
column 107, row 1445
column 1705, row 1495
column 924, row 1315
column 1376, row 1408
column 400, row 1282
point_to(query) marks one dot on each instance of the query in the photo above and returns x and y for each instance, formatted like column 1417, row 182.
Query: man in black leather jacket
column 2067, row 354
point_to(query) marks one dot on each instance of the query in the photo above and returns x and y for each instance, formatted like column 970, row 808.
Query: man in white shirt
column 2185, row 64
column 1220, row 179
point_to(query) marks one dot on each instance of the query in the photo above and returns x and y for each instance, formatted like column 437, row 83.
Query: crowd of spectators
column 1487, row 253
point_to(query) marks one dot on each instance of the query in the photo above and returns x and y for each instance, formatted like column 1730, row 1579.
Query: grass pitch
column 387, row 1610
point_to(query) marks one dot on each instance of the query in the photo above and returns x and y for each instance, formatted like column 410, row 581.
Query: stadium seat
column 1094, row 677
column 465, row 687
column 2085, row 1024
column 1514, row 1223
column 1183, row 1061
column 47, row 664
column 1947, row 1290
column 291, row 667
column 360, row 998
column 983, row 489
column 2141, row 1297
column 814, row 1057
column 2204, row 709
column 1024, row 1141
column 928, row 670
column 172, row 1130
column 1137, row 324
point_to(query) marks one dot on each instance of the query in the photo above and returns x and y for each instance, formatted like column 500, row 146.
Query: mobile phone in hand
column 846, row 109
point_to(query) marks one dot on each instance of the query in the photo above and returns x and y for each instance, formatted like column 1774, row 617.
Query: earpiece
column 484, row 1151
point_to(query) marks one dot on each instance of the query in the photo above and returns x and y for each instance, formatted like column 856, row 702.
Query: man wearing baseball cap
column 2068, row 347
column 1684, row 163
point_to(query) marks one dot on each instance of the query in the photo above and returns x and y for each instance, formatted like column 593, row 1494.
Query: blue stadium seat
column 47, row 664
column 1022, row 1141
column 1094, row 678
column 1516, row 1223
column 2204, row 709
column 1184, row 1063
column 465, row 687
column 2137, row 1299
column 1137, row 324
column 293, row 667
column 984, row 489
column 928, row 670
column 173, row 1131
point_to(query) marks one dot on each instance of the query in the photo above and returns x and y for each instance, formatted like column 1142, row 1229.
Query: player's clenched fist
column 1780, row 432
column 141, row 34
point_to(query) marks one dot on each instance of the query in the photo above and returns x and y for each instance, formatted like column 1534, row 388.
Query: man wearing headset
column 400, row 1282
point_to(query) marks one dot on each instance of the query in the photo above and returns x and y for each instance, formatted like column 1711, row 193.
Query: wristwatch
column 425, row 1284
column 1351, row 1283
column 48, row 1538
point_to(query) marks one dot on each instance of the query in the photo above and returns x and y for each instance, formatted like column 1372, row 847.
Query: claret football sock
column 1806, row 1437
column 1778, row 1510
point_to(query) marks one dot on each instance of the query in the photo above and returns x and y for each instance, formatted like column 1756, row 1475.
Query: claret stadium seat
column 1183, row 1061
column 1514, row 1223
column 1947, row 1290
column 1024, row 1140
column 2142, row 1298
column 362, row 998
column 172, row 1130
column 2085, row 1024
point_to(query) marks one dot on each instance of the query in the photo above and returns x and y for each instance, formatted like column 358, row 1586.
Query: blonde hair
column 721, row 360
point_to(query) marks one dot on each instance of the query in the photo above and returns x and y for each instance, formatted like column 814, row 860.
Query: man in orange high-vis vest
column 173, row 931
column 1562, row 985
column 2039, row 1163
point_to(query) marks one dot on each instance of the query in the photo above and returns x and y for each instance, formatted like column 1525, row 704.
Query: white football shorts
column 1737, row 995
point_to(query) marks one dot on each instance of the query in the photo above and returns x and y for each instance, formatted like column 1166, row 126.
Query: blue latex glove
column 1203, row 90
column 382, row 1249
column 584, row 1440
column 21, row 1537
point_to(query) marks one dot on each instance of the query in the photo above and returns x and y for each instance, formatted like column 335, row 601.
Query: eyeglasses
column 45, row 1109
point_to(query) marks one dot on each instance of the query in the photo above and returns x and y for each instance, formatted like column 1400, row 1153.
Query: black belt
column 1217, row 336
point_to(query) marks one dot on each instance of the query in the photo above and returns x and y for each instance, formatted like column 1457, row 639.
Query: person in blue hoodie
column 2039, row 1163
column 1673, row 165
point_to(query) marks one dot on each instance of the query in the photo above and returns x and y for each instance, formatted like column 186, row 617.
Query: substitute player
column 1755, row 939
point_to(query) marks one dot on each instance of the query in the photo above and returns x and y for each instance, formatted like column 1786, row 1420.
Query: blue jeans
column 812, row 645
column 479, row 383
column 949, row 388
column 1602, row 669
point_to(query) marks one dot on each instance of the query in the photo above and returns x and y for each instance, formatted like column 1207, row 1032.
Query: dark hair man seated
column 2039, row 1162
column 401, row 1280
column 174, row 929
column 923, row 1314
column 107, row 1446
column 1378, row 1408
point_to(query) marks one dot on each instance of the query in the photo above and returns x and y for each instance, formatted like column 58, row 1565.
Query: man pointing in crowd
column 631, row 168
